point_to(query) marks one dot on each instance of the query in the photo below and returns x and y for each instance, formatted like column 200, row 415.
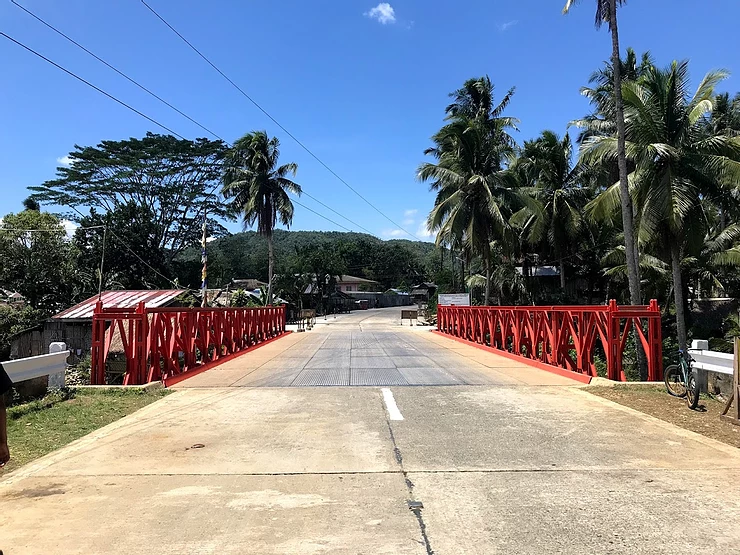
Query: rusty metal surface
column 120, row 299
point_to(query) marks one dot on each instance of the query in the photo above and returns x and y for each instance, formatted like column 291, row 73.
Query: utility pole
column 102, row 262
column 204, row 261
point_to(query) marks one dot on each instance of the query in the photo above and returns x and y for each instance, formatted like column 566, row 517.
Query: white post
column 58, row 379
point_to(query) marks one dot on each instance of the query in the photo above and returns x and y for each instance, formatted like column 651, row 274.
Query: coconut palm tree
column 678, row 165
column 473, row 201
column 258, row 188
column 600, row 93
column 546, row 165
column 606, row 12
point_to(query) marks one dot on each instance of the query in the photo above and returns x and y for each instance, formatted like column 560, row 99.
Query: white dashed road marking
column 390, row 404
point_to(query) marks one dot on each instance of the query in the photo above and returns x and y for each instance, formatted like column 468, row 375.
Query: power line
column 337, row 213
column 159, row 98
column 108, row 230
column 101, row 91
column 119, row 72
column 49, row 230
column 266, row 113
column 321, row 216
column 148, row 118
column 152, row 268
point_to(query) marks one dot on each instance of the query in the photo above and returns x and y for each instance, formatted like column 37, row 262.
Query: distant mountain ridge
column 244, row 255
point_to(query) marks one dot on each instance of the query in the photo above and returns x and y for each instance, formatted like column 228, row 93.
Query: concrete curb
column 604, row 382
column 582, row 378
column 174, row 380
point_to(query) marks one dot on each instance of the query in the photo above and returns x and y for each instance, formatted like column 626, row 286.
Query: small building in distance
column 353, row 284
column 247, row 284
column 74, row 325
column 421, row 293
column 12, row 299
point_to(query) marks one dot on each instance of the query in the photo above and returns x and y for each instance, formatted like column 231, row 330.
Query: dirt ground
column 654, row 400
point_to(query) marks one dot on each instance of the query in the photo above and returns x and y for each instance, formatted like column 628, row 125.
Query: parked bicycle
column 683, row 381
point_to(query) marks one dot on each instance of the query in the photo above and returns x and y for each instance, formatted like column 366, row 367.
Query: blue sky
column 363, row 84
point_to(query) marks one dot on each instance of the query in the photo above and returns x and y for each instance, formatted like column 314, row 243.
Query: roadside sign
column 457, row 299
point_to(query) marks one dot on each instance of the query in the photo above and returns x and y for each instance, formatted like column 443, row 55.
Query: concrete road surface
column 502, row 458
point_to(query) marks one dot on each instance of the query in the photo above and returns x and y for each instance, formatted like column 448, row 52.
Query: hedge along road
column 251, row 457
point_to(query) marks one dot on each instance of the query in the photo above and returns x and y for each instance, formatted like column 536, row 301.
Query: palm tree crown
column 473, row 200
column 258, row 187
column 677, row 164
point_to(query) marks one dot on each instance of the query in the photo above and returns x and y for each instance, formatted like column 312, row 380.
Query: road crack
column 415, row 506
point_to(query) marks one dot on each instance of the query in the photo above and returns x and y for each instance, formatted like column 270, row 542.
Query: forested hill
column 244, row 255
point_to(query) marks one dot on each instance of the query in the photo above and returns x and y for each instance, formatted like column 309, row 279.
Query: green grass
column 42, row 426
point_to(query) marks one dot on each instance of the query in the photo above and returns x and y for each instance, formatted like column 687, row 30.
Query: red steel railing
column 561, row 336
column 163, row 343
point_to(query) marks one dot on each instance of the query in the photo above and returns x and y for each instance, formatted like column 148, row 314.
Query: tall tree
column 474, row 200
column 258, row 188
column 606, row 12
column 175, row 180
column 39, row 263
column 546, row 164
column 133, row 256
column 677, row 164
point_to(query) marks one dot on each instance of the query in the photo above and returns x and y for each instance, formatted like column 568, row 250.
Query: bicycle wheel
column 673, row 378
column 692, row 391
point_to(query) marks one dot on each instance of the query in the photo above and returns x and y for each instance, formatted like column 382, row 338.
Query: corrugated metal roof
column 341, row 280
column 120, row 299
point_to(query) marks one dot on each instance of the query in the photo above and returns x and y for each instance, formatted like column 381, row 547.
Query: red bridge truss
column 169, row 343
column 564, row 337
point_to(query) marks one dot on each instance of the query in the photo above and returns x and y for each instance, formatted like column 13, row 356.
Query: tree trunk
column 562, row 275
column 633, row 272
column 630, row 243
column 678, row 294
column 270, row 265
column 488, row 281
column 463, row 286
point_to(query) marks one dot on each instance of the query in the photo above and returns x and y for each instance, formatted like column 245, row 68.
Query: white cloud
column 383, row 13
column 393, row 232
column 503, row 27
column 69, row 227
column 423, row 232
column 65, row 160
column 410, row 212
column 409, row 221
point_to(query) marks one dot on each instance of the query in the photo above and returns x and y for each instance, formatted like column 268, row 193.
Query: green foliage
column 240, row 298
column 38, row 264
column 474, row 201
column 432, row 304
column 258, row 187
column 79, row 374
column 170, row 181
column 731, row 328
column 134, row 257
column 244, row 255
column 678, row 166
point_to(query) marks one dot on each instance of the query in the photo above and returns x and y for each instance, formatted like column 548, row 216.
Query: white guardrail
column 53, row 365
column 711, row 361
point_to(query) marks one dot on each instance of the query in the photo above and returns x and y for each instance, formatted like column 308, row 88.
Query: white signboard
column 457, row 299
